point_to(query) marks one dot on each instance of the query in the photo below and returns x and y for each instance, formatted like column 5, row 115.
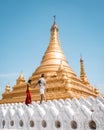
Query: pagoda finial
column 54, row 26
column 83, row 76
column 21, row 75
column 7, row 88
column 54, row 18
column 80, row 56
column 82, row 71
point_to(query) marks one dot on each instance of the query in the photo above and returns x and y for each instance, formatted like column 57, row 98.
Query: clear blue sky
column 25, row 33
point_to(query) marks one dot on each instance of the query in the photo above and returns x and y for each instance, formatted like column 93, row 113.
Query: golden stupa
column 61, row 80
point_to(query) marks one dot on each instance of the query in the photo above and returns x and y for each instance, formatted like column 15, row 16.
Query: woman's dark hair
column 29, row 81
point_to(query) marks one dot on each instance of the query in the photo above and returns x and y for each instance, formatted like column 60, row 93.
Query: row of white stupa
column 60, row 114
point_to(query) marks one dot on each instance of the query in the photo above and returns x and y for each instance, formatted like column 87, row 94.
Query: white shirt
column 42, row 83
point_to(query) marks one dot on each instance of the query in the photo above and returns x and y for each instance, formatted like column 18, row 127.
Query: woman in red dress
column 28, row 94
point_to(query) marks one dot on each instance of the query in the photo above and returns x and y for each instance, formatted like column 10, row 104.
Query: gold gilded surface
column 61, row 80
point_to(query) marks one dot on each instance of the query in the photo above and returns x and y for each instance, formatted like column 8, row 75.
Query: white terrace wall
column 60, row 114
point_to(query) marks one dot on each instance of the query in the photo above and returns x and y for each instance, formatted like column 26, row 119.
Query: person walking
column 28, row 94
column 42, row 85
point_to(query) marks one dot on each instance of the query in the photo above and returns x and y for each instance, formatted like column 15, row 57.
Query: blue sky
column 25, row 34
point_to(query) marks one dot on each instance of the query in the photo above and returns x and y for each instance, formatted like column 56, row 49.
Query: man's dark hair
column 42, row 75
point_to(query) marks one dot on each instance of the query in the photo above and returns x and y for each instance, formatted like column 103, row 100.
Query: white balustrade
column 82, row 114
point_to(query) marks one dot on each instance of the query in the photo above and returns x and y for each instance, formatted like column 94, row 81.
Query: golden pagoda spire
column 21, row 76
column 7, row 88
column 83, row 76
column 20, row 79
column 54, row 53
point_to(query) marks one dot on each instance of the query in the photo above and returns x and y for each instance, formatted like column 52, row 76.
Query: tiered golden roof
column 61, row 80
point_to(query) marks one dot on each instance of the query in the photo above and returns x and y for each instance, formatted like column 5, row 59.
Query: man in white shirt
column 42, row 84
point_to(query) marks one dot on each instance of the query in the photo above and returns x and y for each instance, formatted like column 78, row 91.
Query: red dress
column 28, row 96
